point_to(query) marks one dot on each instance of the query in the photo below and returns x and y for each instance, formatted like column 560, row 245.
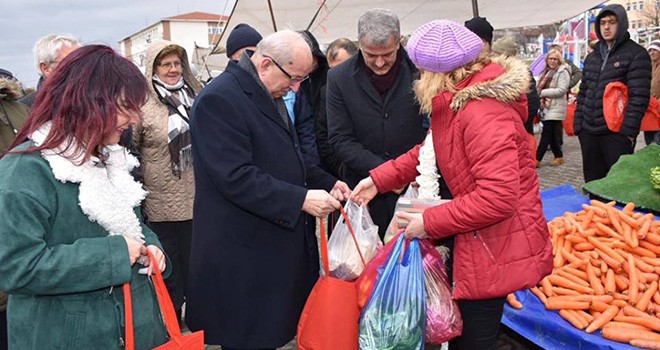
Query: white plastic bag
column 345, row 261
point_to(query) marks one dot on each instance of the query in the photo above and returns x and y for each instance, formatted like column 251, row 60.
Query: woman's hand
column 415, row 228
column 365, row 191
column 158, row 255
column 135, row 249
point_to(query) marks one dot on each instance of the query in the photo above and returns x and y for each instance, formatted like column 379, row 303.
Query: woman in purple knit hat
column 477, row 141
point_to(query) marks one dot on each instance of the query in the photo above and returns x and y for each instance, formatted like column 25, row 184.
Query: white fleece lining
column 107, row 194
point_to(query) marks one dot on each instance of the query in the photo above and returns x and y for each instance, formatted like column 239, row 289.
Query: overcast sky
column 91, row 21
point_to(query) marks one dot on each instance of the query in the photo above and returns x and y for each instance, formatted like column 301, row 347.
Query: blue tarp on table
column 546, row 328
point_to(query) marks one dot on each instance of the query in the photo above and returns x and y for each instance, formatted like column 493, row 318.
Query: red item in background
column 194, row 341
column 330, row 318
column 615, row 100
column 567, row 123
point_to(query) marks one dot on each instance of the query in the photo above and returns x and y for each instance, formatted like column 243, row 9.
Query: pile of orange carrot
column 605, row 277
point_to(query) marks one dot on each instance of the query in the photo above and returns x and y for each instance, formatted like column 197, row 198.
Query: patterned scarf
column 178, row 99
column 544, row 83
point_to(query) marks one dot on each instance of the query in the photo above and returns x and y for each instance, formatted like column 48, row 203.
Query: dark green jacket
column 59, row 267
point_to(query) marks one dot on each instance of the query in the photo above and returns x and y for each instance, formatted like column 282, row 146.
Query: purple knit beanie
column 441, row 46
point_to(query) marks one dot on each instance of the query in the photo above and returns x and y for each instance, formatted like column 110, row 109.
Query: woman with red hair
column 70, row 230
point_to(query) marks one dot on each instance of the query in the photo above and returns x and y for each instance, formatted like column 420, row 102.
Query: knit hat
column 505, row 46
column 481, row 27
column 242, row 36
column 655, row 45
column 441, row 46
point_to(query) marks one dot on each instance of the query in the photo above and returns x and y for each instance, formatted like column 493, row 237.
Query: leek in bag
column 395, row 316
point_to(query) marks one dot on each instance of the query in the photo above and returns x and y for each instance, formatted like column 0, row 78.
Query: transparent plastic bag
column 393, row 227
column 395, row 316
column 345, row 261
column 443, row 318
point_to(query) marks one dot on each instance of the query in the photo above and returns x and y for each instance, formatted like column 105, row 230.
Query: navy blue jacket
column 254, row 256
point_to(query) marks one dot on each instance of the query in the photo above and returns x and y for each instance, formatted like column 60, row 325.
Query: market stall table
column 543, row 327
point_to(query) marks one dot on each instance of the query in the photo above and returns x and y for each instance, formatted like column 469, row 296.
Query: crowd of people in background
column 223, row 182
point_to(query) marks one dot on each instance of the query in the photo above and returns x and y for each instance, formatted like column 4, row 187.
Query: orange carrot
column 547, row 287
column 647, row 321
column 645, row 299
column 539, row 294
column 513, row 301
column 607, row 231
column 561, row 304
column 633, row 288
column 572, row 319
column 610, row 285
column 628, row 219
column 652, row 238
column 586, row 246
column 604, row 248
column 594, row 281
column 650, row 246
column 586, row 316
column 566, row 283
column 640, row 251
column 579, row 274
column 572, row 277
column 621, row 282
column 628, row 208
column 564, row 291
column 618, row 324
column 625, row 335
column 646, row 344
column 605, row 317
column 610, row 261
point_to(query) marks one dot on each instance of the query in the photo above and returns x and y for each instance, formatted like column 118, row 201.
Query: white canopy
column 338, row 18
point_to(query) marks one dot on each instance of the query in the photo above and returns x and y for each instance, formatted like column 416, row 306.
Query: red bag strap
column 350, row 229
column 324, row 248
column 128, row 318
column 164, row 302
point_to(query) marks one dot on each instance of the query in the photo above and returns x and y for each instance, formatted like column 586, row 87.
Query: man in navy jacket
column 254, row 256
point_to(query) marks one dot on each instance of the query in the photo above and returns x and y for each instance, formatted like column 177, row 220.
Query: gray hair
column 48, row 47
column 282, row 46
column 377, row 26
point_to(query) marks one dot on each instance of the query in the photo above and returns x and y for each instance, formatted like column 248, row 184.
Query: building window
column 634, row 6
column 641, row 5
column 215, row 30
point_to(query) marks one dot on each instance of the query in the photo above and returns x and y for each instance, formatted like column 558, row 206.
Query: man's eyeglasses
column 170, row 65
column 292, row 79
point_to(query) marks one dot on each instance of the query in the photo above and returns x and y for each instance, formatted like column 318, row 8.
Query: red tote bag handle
column 164, row 301
column 324, row 242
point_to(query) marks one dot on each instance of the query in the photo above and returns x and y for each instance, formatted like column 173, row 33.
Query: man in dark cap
column 242, row 37
column 483, row 29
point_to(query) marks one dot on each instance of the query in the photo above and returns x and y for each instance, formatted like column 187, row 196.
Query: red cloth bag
column 330, row 318
column 194, row 341
column 615, row 100
column 568, row 122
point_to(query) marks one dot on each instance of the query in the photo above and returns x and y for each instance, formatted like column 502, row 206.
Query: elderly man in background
column 372, row 113
column 49, row 51
column 254, row 255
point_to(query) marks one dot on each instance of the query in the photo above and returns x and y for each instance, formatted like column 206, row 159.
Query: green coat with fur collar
column 58, row 267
